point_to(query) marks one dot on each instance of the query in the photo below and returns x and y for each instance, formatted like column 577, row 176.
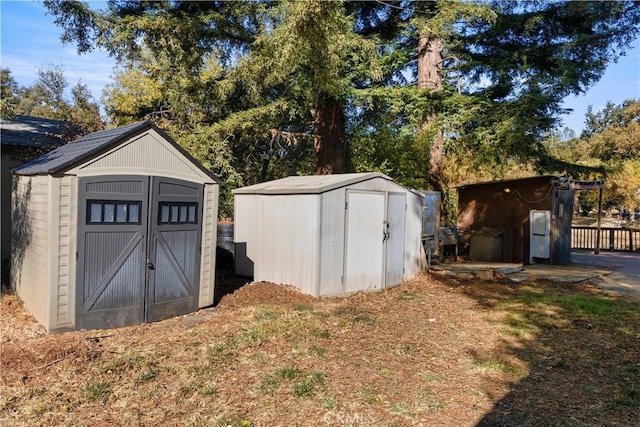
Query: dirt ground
column 432, row 351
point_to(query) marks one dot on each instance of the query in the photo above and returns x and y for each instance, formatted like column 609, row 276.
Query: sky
column 29, row 39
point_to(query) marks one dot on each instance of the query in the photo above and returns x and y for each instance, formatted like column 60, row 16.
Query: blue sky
column 30, row 39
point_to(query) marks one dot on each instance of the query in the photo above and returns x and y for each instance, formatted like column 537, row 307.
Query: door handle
column 150, row 265
column 385, row 232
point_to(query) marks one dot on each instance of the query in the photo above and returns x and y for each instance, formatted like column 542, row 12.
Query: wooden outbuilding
column 329, row 235
column 525, row 220
column 116, row 228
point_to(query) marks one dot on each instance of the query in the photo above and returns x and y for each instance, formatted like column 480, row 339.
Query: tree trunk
column 329, row 135
column 430, row 77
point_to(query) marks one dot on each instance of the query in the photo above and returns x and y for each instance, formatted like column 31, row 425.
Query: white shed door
column 540, row 234
column 365, row 241
column 395, row 228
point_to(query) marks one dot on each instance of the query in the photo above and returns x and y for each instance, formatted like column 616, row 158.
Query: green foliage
column 46, row 98
column 260, row 90
column 8, row 94
column 608, row 149
column 614, row 132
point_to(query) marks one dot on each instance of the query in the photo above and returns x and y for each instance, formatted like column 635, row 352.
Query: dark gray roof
column 32, row 132
column 89, row 146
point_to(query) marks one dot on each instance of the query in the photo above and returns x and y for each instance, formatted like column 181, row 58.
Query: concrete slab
column 480, row 270
column 557, row 273
column 614, row 272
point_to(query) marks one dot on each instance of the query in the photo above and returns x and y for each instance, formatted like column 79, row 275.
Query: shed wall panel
column 54, row 230
column 413, row 252
column 63, row 308
column 30, row 246
column 246, row 236
column 208, row 260
column 288, row 242
column 332, row 242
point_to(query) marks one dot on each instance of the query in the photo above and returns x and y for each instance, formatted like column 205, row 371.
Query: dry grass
column 429, row 351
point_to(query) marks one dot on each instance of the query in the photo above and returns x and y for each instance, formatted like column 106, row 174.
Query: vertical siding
column 288, row 244
column 246, row 224
column 62, row 302
column 208, row 253
column 413, row 252
column 332, row 236
column 333, row 232
column 30, row 248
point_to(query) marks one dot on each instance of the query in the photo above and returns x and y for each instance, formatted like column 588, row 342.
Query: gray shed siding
column 208, row 257
column 30, row 257
column 299, row 239
column 274, row 243
column 332, row 252
column 66, row 233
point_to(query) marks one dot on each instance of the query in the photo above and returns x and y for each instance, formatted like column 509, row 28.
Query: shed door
column 365, row 241
column 138, row 249
column 395, row 224
column 174, row 248
column 112, row 246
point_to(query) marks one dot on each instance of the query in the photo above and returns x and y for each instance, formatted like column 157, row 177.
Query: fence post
column 599, row 226
column 611, row 239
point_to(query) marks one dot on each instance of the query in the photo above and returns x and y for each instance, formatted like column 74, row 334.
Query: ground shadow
column 21, row 235
column 582, row 350
column 227, row 282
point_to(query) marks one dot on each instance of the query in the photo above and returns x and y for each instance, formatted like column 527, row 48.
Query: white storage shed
column 329, row 235
column 116, row 228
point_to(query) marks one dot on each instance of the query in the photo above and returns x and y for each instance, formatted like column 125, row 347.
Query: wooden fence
column 612, row 239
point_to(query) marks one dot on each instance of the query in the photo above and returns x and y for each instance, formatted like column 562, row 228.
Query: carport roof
column 315, row 184
column 91, row 145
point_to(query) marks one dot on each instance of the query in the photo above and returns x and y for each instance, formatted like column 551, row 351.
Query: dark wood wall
column 505, row 206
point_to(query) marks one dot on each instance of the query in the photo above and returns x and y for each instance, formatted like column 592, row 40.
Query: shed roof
column 315, row 184
column 77, row 152
column 33, row 132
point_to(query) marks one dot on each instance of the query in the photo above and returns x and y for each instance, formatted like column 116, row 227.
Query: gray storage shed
column 329, row 235
column 116, row 228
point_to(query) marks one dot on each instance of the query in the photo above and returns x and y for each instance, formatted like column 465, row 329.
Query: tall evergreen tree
column 480, row 82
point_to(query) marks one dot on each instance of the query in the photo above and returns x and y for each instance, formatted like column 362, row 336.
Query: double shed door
column 375, row 238
column 138, row 249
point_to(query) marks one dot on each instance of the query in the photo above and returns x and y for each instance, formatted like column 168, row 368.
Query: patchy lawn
column 431, row 351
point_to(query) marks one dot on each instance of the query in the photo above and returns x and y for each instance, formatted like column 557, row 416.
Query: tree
column 47, row 98
column 8, row 94
column 315, row 48
column 490, row 82
column 473, row 82
column 614, row 132
column 612, row 136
